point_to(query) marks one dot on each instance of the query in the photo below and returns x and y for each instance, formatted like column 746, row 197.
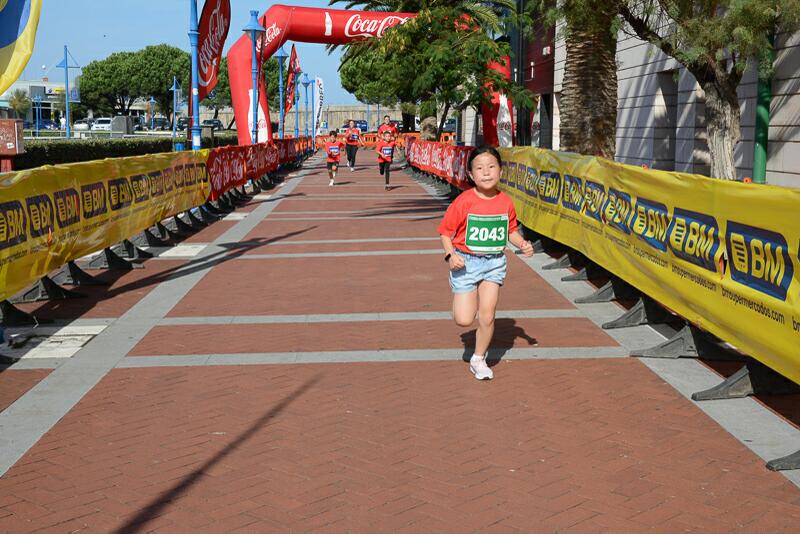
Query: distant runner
column 333, row 148
column 385, row 150
column 353, row 139
column 387, row 126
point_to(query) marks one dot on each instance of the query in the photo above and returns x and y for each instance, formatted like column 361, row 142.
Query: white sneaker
column 352, row 169
column 331, row 183
column 478, row 367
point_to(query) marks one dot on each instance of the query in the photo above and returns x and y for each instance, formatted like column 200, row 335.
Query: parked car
column 83, row 125
column 160, row 123
column 450, row 125
column 28, row 125
column 216, row 124
column 102, row 125
column 47, row 124
column 183, row 123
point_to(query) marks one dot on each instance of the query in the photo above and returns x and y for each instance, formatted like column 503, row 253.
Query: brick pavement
column 577, row 445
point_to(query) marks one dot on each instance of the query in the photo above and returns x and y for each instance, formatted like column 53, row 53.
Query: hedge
column 54, row 152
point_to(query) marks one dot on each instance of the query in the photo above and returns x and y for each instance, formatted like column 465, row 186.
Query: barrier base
column 72, row 275
column 753, row 378
column 645, row 311
column 174, row 230
column 109, row 259
column 785, row 463
column 206, row 216
column 569, row 259
column 46, row 289
column 10, row 315
column 213, row 210
column 255, row 187
column 224, row 205
column 235, row 199
column 614, row 289
column 590, row 271
column 194, row 222
column 128, row 249
column 147, row 238
column 690, row 342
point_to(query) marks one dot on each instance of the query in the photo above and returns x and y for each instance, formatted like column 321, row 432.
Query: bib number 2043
column 487, row 233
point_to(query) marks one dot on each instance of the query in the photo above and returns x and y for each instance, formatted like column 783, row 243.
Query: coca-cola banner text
column 301, row 24
column 213, row 27
column 445, row 161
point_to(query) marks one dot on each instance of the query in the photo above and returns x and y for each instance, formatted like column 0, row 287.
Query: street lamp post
column 37, row 111
column 194, row 38
column 281, row 56
column 296, row 113
column 152, row 102
column 65, row 65
column 378, row 120
column 175, row 88
column 313, row 115
column 254, row 29
column 367, row 117
column 306, row 83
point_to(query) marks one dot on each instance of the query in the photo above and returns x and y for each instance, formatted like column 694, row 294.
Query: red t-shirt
column 333, row 150
column 385, row 150
column 468, row 209
column 352, row 135
column 391, row 128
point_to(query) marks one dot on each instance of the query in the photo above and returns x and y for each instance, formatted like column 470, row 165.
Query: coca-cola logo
column 272, row 32
column 369, row 27
column 213, row 41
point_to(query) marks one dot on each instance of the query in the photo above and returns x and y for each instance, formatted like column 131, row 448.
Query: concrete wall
column 660, row 120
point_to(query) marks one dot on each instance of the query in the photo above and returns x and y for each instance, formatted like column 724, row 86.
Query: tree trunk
column 588, row 103
column 723, row 127
column 216, row 113
column 441, row 122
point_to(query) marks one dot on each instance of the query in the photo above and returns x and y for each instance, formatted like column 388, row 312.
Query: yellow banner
column 19, row 20
column 55, row 214
column 720, row 254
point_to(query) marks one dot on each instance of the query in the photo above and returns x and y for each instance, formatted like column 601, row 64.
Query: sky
column 93, row 29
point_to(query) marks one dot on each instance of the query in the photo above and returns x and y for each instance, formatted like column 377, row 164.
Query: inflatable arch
column 324, row 26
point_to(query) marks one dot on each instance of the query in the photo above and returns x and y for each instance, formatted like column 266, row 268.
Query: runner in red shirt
column 353, row 138
column 385, row 150
column 333, row 149
column 387, row 126
column 474, row 233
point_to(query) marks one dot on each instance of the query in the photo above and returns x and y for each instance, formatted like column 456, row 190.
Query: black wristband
column 447, row 257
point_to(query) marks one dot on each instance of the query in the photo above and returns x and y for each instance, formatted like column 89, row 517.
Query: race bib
column 333, row 151
column 387, row 151
column 487, row 233
column 354, row 137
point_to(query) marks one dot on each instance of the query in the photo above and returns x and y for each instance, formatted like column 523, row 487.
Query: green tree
column 436, row 57
column 107, row 84
column 156, row 66
column 20, row 103
column 715, row 40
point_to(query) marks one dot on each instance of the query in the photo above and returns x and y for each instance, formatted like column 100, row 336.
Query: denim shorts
column 491, row 267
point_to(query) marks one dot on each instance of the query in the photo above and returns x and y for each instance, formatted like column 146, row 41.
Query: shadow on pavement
column 505, row 332
column 154, row 509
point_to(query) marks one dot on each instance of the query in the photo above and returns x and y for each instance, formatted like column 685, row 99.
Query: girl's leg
column 386, row 173
column 488, row 293
column 465, row 306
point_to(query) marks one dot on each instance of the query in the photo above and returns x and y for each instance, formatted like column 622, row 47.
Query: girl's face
column 352, row 124
column 332, row 139
column 485, row 172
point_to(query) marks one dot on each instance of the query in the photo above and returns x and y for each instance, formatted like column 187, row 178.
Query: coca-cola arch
column 302, row 24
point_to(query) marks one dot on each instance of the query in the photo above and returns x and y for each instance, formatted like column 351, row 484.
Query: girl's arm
column 456, row 262
column 516, row 239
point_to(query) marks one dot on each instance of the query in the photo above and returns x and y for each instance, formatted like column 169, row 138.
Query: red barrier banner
column 232, row 166
column 445, row 161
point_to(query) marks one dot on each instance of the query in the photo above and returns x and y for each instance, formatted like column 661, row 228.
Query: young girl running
column 474, row 232
column 385, row 150
column 333, row 148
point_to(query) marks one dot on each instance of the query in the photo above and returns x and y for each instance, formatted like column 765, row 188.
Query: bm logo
column 759, row 259
column 572, row 199
column 40, row 215
column 12, row 224
column 594, row 198
column 618, row 210
column 694, row 237
column 549, row 187
column 650, row 223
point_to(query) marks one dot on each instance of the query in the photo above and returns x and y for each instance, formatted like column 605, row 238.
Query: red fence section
column 232, row 166
column 445, row 161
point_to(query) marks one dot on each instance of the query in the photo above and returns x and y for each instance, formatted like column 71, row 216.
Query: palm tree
column 20, row 103
column 588, row 105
